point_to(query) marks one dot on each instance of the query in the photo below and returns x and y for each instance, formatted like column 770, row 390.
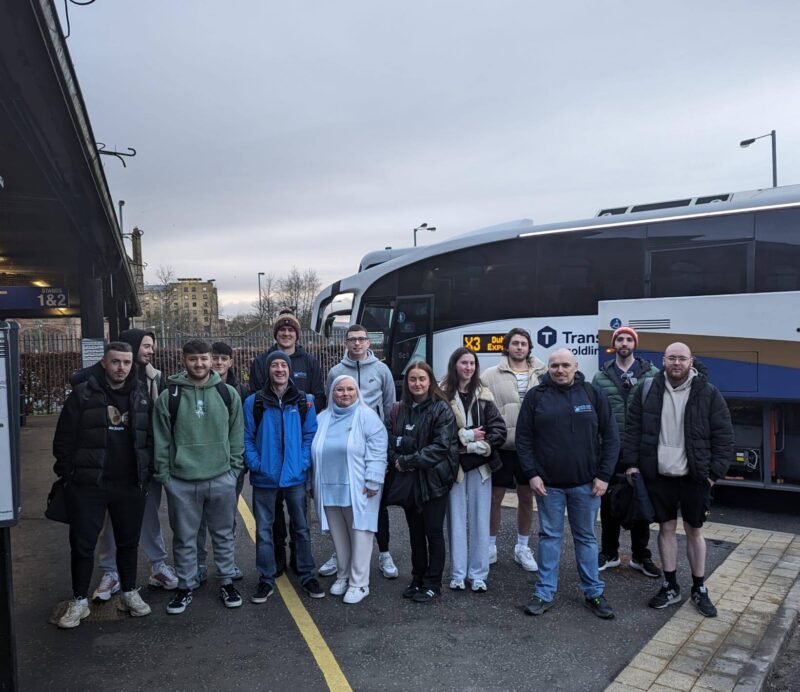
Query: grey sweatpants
column 187, row 502
column 468, row 507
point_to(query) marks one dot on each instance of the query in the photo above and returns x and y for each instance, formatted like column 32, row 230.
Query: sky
column 305, row 134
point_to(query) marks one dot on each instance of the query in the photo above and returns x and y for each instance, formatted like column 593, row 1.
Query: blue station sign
column 32, row 298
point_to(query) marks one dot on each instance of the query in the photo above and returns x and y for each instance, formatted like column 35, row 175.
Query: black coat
column 306, row 374
column 708, row 432
column 80, row 440
column 484, row 413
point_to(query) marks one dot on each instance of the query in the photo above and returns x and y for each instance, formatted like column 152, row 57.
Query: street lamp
column 422, row 227
column 260, row 305
column 747, row 142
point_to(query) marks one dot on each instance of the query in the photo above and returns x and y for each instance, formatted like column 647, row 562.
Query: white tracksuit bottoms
column 353, row 546
column 468, row 507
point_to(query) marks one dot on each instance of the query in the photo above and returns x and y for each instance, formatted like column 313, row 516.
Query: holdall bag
column 56, row 509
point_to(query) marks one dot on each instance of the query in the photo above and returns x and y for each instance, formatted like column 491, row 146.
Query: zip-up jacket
column 609, row 381
column 306, row 374
column 374, row 380
column 482, row 413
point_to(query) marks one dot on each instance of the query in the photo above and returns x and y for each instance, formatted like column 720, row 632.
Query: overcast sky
column 272, row 135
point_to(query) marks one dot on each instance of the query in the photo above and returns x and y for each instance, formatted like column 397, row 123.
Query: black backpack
column 175, row 397
column 258, row 409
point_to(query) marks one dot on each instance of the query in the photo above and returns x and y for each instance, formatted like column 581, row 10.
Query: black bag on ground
column 56, row 509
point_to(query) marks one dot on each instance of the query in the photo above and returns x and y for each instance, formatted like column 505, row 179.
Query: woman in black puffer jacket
column 423, row 460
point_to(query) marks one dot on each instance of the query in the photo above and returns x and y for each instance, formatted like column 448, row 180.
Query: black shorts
column 668, row 493
column 510, row 474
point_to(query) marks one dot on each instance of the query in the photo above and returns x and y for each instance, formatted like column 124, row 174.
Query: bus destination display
column 484, row 343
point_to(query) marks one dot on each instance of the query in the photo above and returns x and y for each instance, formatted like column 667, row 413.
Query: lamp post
column 747, row 142
column 422, row 227
column 260, row 304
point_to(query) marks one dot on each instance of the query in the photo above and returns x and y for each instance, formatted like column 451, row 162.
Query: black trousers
column 426, row 530
column 87, row 507
column 609, row 540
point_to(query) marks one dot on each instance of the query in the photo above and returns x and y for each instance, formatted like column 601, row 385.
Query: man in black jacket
column 103, row 447
column 568, row 444
column 680, row 437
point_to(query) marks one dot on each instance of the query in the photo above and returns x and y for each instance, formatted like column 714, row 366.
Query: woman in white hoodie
column 349, row 456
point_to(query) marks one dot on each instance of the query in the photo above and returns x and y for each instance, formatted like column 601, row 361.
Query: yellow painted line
column 334, row 677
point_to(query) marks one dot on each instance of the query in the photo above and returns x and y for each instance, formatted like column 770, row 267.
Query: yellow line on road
column 333, row 674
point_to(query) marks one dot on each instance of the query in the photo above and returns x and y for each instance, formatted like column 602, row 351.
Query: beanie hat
column 220, row 348
column 286, row 320
column 277, row 354
column 630, row 331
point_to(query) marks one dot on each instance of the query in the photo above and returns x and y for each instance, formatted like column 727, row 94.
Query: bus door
column 411, row 333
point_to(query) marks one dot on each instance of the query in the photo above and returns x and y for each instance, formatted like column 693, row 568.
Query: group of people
column 447, row 450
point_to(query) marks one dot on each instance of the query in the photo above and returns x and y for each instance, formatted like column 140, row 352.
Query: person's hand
column 537, row 485
column 599, row 488
column 478, row 434
column 370, row 493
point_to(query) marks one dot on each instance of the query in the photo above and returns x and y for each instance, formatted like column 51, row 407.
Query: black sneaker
column 703, row 603
column 312, row 589
column 280, row 560
column 424, row 596
column 230, row 596
column 666, row 596
column 411, row 590
column 538, row 606
column 263, row 592
column 599, row 606
column 646, row 566
column 180, row 601
column 607, row 561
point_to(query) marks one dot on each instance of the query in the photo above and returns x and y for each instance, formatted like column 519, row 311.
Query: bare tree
column 297, row 291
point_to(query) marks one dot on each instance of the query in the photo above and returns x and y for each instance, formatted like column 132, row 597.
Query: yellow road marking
column 333, row 674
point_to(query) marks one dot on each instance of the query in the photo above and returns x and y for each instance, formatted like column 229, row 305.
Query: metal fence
column 48, row 360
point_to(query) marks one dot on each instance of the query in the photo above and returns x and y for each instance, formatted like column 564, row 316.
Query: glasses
column 677, row 359
column 357, row 339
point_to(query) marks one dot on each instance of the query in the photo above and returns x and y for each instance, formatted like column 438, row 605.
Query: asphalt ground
column 461, row 641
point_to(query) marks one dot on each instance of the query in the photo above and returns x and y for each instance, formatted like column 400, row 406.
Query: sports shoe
column 230, row 596
column 77, row 610
column 457, row 584
column 424, row 596
column 492, row 554
column 479, row 586
column 263, row 592
column 131, row 602
column 646, row 566
column 607, row 561
column 163, row 575
column 703, row 603
column 667, row 595
column 180, row 601
column 330, row 567
column 202, row 573
column 338, row 587
column 599, row 606
column 411, row 590
column 108, row 586
column 523, row 556
column 387, row 567
column 356, row 594
column 312, row 589
column 538, row 606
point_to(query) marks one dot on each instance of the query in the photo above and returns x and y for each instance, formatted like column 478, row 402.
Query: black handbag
column 56, row 509
column 402, row 490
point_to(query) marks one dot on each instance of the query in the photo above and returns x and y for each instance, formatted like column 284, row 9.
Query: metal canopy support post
column 8, row 640
column 91, row 289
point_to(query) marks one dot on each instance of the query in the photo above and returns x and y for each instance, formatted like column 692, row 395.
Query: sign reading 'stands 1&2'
column 32, row 297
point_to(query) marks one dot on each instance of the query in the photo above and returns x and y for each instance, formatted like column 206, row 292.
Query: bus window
column 697, row 271
column 377, row 319
column 411, row 332
column 778, row 250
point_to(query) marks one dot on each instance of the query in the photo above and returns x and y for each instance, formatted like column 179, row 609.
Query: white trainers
column 131, row 602
column 479, row 586
column 387, row 567
column 163, row 575
column 356, row 594
column 108, row 586
column 338, row 587
column 523, row 556
column 492, row 554
column 457, row 584
column 330, row 568
column 77, row 610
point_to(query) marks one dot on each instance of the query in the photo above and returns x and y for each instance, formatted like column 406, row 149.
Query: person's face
column 677, row 362
column 279, row 372
column 562, row 368
column 419, row 384
column 624, row 345
column 146, row 350
column 198, row 365
column 345, row 393
column 518, row 348
column 286, row 338
column 465, row 368
column 357, row 344
column 117, row 365
column 221, row 363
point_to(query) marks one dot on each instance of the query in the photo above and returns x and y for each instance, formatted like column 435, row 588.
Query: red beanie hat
column 625, row 330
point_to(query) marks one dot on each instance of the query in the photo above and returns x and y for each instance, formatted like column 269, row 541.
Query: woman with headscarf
column 349, row 456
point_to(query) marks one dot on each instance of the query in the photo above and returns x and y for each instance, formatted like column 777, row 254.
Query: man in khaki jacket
column 518, row 371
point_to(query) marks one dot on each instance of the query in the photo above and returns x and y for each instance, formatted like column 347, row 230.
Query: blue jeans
column 582, row 511
column 264, row 511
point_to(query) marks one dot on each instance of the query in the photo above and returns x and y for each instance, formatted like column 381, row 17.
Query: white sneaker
column 108, row 586
column 330, row 568
column 479, row 586
column 492, row 554
column 77, row 610
column 387, row 567
column 163, row 575
column 356, row 594
column 131, row 602
column 338, row 587
column 523, row 555
column 457, row 584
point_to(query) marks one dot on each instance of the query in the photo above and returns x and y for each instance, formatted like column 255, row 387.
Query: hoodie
column 374, row 380
column 206, row 441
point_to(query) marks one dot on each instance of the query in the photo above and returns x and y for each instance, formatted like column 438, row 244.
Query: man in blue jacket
column 568, row 444
column 279, row 425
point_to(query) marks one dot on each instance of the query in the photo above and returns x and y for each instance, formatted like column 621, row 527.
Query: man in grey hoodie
column 376, row 384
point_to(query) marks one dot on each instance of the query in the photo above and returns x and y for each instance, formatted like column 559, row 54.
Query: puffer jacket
column 80, row 440
column 306, row 374
column 708, row 432
column 609, row 381
column 482, row 413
